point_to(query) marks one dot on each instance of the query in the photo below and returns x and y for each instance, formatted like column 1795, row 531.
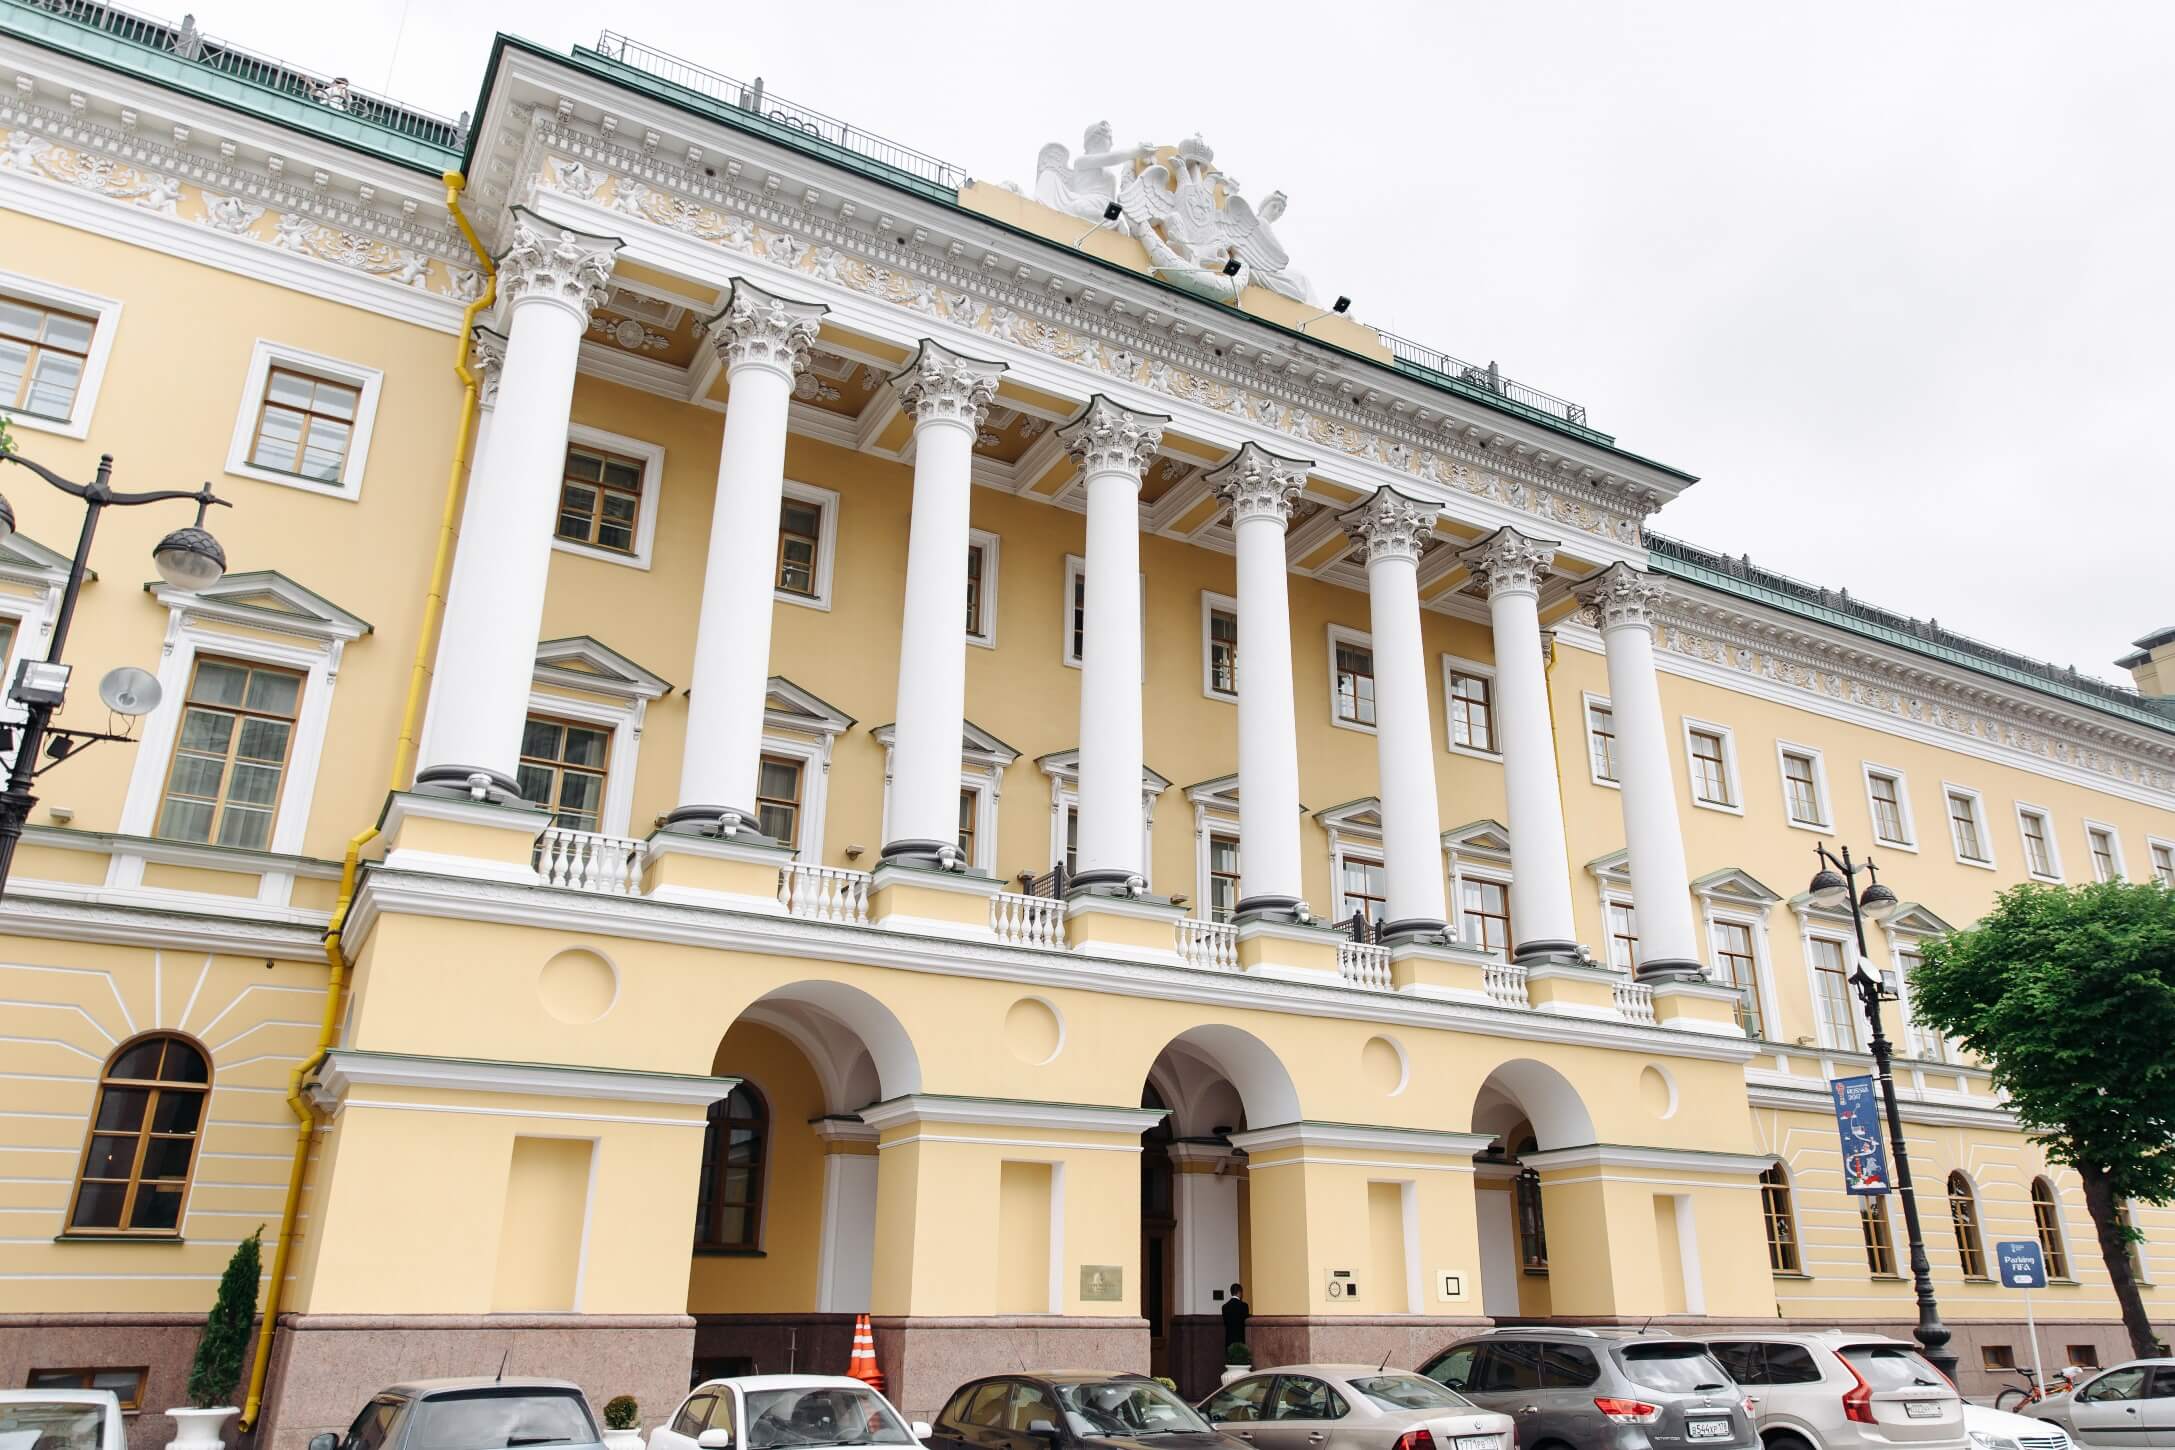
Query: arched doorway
column 1524, row 1107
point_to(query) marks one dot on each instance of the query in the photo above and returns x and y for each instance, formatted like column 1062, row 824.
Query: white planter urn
column 623, row 1440
column 200, row 1429
column 1236, row 1372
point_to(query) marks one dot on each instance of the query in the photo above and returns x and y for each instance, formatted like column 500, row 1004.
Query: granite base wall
column 924, row 1360
column 162, row 1344
column 772, row 1344
column 1402, row 1341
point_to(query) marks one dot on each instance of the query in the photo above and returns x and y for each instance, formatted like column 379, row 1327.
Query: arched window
column 136, row 1166
column 735, row 1144
column 1782, row 1256
column 1963, row 1213
column 1880, row 1243
column 2047, row 1222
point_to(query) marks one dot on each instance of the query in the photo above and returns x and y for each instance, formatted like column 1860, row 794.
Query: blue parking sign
column 2021, row 1265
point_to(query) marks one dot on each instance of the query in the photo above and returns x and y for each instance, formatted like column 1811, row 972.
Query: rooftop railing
column 1486, row 382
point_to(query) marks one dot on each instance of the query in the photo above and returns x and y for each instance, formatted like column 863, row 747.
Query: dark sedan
column 1041, row 1410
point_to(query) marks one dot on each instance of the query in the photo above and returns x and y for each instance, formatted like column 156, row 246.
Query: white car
column 2000, row 1430
column 61, row 1420
column 2130, row 1405
column 783, row 1412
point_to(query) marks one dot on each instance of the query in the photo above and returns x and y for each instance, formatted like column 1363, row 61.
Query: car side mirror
column 1043, row 1428
column 715, row 1440
column 325, row 1440
column 921, row 1429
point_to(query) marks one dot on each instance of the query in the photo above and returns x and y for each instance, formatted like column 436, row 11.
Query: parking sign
column 2021, row 1265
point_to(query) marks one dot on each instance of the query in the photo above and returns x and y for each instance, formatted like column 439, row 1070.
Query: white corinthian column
column 947, row 396
column 1510, row 567
column 763, row 342
column 1260, row 486
column 550, row 279
column 1111, row 445
column 1660, row 885
column 1394, row 528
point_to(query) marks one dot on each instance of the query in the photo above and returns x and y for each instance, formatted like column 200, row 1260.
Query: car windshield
column 1893, row 1367
column 1681, row 1368
column 821, row 1415
column 49, row 1425
column 1408, row 1392
column 502, row 1419
column 1127, row 1407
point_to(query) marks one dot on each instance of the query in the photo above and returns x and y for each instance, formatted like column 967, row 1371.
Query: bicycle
column 2016, row 1397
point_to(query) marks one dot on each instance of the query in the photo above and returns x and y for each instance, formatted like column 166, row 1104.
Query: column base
column 470, row 782
column 1669, row 969
column 1414, row 928
column 910, row 895
column 926, row 855
column 1276, row 908
column 1445, row 971
column 1695, row 1004
column 1111, row 922
column 925, row 1359
column 725, row 823
column 1277, row 946
column 694, row 868
column 1111, row 881
column 1528, row 952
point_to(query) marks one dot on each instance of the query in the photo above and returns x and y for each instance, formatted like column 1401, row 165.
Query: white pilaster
column 1394, row 529
column 763, row 341
column 947, row 396
column 550, row 279
column 1510, row 566
column 1660, row 881
column 1260, row 486
column 1111, row 445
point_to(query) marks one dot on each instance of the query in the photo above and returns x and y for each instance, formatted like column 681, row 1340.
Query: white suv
column 1831, row 1390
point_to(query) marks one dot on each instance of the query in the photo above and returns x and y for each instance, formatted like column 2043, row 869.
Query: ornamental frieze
column 1314, row 432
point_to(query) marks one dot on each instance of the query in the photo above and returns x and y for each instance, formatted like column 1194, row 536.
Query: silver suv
column 1599, row 1389
column 1832, row 1390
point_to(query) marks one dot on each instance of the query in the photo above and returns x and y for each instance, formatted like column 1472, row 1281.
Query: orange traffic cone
column 862, row 1366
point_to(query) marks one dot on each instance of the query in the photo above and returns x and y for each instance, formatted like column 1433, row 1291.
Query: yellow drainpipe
column 411, row 713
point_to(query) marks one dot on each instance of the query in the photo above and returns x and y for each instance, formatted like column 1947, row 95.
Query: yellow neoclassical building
column 792, row 733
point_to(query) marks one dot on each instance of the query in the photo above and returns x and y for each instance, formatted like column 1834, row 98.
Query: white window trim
column 1210, row 603
column 1612, row 896
column 1065, row 796
column 1901, row 943
column 1825, row 826
column 814, row 753
column 1871, row 768
column 1076, row 569
column 1453, row 665
column 1589, row 702
column 987, row 783
column 32, row 605
column 1462, row 870
column 2114, row 848
column 986, row 637
column 1365, row 849
column 652, row 459
column 1730, row 775
column 826, row 546
column 1978, row 811
column 1210, row 821
column 2046, row 830
column 2142, row 1250
column 2161, row 843
column 107, row 313
column 624, row 719
column 1763, row 968
column 367, row 380
column 1851, row 1017
column 1341, row 634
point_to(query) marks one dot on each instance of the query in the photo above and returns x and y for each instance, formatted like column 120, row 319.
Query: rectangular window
column 1623, row 925
column 1832, row 995
column 1733, row 954
column 305, row 425
column 1072, row 839
column 230, row 754
column 1710, row 769
column 778, row 799
column 1472, row 711
column 2105, row 866
column 600, row 499
column 1223, row 652
column 1076, row 614
column 1931, row 1045
column 1223, row 877
column 2163, row 863
column 1801, row 789
column 44, row 353
column 800, row 544
column 1355, row 682
column 976, row 562
column 1880, row 1248
column 1364, row 887
column 1966, row 828
column 1997, row 1356
column 1484, row 914
column 126, row 1384
column 1601, row 739
column 1885, row 791
column 2084, row 1356
column 7, row 644
column 2038, row 854
column 969, row 807
column 562, row 769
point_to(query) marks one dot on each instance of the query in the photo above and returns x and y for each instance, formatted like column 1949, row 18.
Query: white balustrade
column 1027, row 921
column 1505, row 984
column 1364, row 964
column 1211, row 944
column 588, row 861
column 824, row 893
column 1634, row 1001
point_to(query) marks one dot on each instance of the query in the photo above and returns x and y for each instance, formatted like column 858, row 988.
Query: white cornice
column 347, row 1068
column 1617, row 1155
column 87, row 914
column 1313, row 1135
column 1762, row 1090
column 1010, row 1113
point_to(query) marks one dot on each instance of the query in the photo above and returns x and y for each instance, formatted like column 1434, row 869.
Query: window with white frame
column 1804, row 785
column 1469, row 707
column 2037, row 831
column 1362, row 886
column 1831, row 992
column 2163, row 862
column 1223, row 875
column 608, row 497
column 1928, row 1044
column 564, row 764
column 982, row 588
column 1622, row 921
column 2106, row 848
column 54, row 342
column 1967, row 826
column 1600, row 740
column 1484, row 913
column 1062, row 768
column 1736, row 961
column 1889, row 801
column 1712, row 753
column 237, row 728
column 807, row 545
column 305, row 420
column 1351, row 679
column 1219, row 646
column 983, row 760
column 1076, row 613
column 584, row 730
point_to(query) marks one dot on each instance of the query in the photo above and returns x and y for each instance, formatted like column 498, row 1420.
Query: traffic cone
column 862, row 1366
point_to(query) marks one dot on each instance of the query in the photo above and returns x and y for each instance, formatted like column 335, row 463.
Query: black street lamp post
column 187, row 558
column 1836, row 885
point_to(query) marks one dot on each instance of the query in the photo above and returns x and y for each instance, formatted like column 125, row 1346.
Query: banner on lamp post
column 1857, row 1119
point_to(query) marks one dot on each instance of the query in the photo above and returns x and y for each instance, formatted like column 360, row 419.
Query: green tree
column 217, row 1372
column 2068, row 994
column 7, row 439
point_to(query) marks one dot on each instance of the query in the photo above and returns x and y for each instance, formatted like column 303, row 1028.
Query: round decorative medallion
column 577, row 986
column 1033, row 1032
column 1383, row 1066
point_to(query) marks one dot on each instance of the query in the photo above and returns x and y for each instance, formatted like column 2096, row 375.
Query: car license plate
column 1708, row 1429
column 1921, row 1409
column 1478, row 1442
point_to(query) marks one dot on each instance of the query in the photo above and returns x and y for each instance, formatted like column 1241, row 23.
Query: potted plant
column 224, row 1345
column 1238, row 1361
column 622, row 1423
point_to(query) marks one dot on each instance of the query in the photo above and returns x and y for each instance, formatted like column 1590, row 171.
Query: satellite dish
column 130, row 691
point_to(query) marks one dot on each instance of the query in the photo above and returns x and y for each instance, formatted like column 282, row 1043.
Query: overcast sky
column 1892, row 279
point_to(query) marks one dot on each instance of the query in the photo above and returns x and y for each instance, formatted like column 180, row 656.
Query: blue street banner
column 1857, row 1117
column 2022, row 1267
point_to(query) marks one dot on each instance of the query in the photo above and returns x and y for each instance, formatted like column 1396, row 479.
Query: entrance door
column 1158, row 1229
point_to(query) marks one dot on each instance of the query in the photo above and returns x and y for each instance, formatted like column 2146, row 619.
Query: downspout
column 403, row 750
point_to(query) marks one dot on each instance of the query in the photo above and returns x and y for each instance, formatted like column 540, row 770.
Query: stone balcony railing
column 1211, row 944
column 588, row 861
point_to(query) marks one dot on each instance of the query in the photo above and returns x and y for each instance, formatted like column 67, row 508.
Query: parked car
column 479, row 1413
column 1599, row 1389
column 1352, row 1407
column 2000, row 1430
column 61, row 1420
column 1832, row 1390
column 2132, row 1404
column 1050, row 1411
column 783, row 1412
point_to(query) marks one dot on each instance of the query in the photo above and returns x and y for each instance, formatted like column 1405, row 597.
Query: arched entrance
column 1525, row 1107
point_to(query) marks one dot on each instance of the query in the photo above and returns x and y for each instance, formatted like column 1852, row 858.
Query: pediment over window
column 790, row 708
column 1362, row 817
column 264, row 599
column 1221, row 794
column 976, row 745
column 1486, row 840
column 1613, row 869
column 27, row 561
column 1064, row 765
column 582, row 662
column 1736, row 887
column 1911, row 919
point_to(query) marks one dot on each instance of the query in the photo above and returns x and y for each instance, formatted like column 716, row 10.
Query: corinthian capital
column 486, row 359
column 940, row 386
column 1106, row 438
column 547, row 263
column 1259, row 484
column 758, row 329
column 1391, row 525
column 1626, row 597
column 1508, row 562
